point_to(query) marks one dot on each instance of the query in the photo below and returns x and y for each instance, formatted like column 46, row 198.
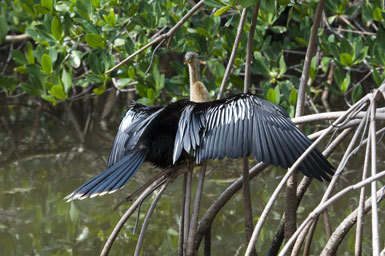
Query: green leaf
column 58, row 92
column 49, row 98
column 67, row 80
column 18, row 57
column 99, row 90
column 277, row 94
column 30, row 89
column 95, row 3
column 30, row 57
column 346, row 59
column 151, row 94
column 282, row 66
column 39, row 9
column 338, row 76
column 247, row 3
column 222, row 11
column 357, row 93
column 293, row 97
column 345, row 84
column 377, row 77
column 46, row 64
column 47, row 4
column 377, row 14
column 56, row 28
column 271, row 95
column 95, row 41
column 261, row 65
column 3, row 28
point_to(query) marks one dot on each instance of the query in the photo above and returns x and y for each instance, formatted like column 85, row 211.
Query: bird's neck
column 198, row 92
column 193, row 72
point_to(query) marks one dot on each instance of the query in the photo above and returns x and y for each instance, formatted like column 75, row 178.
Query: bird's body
column 239, row 126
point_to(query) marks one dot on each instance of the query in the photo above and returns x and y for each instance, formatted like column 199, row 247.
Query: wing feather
column 244, row 125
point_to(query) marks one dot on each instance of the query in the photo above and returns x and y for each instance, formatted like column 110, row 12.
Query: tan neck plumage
column 198, row 92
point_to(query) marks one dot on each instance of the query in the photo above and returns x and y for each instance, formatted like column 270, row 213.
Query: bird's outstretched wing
column 136, row 118
column 126, row 156
column 246, row 125
column 112, row 179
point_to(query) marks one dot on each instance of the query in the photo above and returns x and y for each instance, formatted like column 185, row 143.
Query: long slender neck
column 193, row 72
column 198, row 92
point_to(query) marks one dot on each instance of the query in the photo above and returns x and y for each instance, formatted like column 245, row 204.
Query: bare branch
column 233, row 53
column 161, row 37
column 195, row 213
column 148, row 216
column 372, row 134
column 274, row 196
column 344, row 227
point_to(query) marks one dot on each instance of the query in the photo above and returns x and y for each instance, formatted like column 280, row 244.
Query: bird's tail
column 112, row 179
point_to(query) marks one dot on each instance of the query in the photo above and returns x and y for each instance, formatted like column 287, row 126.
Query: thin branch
column 372, row 133
column 148, row 216
column 161, row 37
column 320, row 208
column 246, row 177
column 195, row 213
column 124, row 219
column 301, row 189
column 309, row 55
column 181, row 224
column 361, row 205
column 249, row 47
column 345, row 226
column 233, row 53
column 226, row 195
column 187, row 203
column 269, row 205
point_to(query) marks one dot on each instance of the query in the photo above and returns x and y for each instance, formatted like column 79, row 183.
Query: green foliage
column 73, row 43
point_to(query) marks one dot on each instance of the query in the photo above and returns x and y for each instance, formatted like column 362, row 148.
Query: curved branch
column 233, row 53
column 161, row 37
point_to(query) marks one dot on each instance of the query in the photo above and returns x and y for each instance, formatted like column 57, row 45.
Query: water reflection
column 35, row 219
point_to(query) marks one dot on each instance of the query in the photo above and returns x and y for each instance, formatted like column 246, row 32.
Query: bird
column 199, row 129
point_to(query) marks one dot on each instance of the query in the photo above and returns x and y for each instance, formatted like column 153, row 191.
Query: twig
column 246, row 177
column 124, row 219
column 269, row 205
column 342, row 164
column 153, row 54
column 290, row 202
column 361, row 205
column 372, row 134
column 195, row 213
column 344, row 227
column 309, row 55
column 301, row 189
column 161, row 37
column 181, row 224
column 187, row 203
column 15, row 38
column 143, row 187
column 320, row 208
column 148, row 216
column 249, row 47
column 226, row 195
column 233, row 53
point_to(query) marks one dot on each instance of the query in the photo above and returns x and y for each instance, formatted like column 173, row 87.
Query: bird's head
column 190, row 57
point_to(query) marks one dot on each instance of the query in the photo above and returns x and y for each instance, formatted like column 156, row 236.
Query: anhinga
column 235, row 127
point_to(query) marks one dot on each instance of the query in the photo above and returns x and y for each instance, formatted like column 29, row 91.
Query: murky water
column 35, row 220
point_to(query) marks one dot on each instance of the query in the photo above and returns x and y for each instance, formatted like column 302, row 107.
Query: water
column 35, row 220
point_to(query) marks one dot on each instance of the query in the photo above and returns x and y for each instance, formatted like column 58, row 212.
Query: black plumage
column 239, row 126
